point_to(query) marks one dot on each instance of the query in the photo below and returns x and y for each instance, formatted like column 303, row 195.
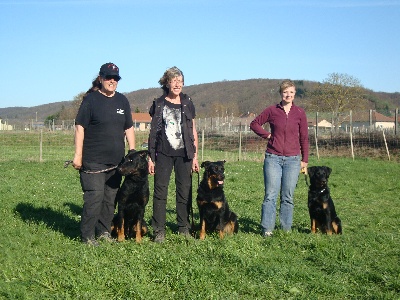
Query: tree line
column 338, row 93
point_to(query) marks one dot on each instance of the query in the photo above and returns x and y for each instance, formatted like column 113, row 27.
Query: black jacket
column 188, row 114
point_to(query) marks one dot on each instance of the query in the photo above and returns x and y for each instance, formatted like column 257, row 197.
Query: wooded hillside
column 211, row 99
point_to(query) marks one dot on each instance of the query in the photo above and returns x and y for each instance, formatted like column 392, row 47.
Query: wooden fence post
column 41, row 146
column 370, row 121
column 351, row 134
column 316, row 143
column 240, row 145
column 202, row 145
column 387, row 149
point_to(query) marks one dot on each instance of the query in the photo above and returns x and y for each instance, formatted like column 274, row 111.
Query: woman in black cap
column 103, row 121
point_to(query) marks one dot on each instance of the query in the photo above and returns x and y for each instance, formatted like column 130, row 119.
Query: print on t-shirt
column 172, row 120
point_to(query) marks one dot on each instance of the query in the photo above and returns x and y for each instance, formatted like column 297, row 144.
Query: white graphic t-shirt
column 173, row 130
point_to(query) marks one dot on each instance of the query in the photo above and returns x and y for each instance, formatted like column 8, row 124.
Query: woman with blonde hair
column 286, row 154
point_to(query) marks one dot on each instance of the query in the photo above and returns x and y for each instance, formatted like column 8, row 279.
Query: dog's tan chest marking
column 218, row 204
column 211, row 182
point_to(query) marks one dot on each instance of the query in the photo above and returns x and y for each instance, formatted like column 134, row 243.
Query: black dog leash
column 191, row 201
column 306, row 179
column 303, row 171
column 68, row 162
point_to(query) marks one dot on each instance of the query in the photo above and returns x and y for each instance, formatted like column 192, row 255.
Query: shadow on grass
column 301, row 228
column 76, row 209
column 53, row 219
column 248, row 225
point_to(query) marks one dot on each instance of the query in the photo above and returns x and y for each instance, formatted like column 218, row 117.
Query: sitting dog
column 320, row 204
column 213, row 207
column 132, row 197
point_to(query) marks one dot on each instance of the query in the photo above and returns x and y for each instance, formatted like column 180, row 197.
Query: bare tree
column 338, row 94
column 69, row 113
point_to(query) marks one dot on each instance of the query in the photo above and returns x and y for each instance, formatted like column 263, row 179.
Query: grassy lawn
column 42, row 258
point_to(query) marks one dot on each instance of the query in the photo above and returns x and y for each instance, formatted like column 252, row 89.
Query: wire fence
column 353, row 134
column 45, row 145
column 358, row 121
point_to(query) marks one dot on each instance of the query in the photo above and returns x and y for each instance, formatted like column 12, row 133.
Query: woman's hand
column 77, row 162
column 195, row 165
column 303, row 166
column 151, row 167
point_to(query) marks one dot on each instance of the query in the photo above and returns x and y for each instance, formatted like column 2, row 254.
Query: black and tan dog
column 132, row 197
column 213, row 207
column 320, row 204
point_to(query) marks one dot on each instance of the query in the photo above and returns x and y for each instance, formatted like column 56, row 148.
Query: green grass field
column 42, row 257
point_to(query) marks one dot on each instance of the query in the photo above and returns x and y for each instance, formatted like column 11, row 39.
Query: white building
column 4, row 125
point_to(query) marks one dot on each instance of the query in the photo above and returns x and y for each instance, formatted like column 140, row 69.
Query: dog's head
column 214, row 173
column 319, row 176
column 134, row 163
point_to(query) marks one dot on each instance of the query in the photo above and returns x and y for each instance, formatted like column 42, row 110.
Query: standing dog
column 213, row 207
column 132, row 197
column 320, row 204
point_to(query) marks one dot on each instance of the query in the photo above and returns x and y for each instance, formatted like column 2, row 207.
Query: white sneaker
column 267, row 234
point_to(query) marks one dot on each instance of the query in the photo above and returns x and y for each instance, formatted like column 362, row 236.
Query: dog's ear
column 328, row 171
column 310, row 171
column 205, row 164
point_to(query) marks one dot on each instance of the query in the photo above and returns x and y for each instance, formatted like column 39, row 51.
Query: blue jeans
column 280, row 175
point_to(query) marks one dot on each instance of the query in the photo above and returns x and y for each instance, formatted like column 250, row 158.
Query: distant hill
column 211, row 99
column 21, row 114
column 242, row 96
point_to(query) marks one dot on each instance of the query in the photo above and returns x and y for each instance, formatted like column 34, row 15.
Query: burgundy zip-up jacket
column 289, row 133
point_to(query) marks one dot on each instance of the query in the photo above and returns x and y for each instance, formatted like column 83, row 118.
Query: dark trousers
column 183, row 181
column 99, row 191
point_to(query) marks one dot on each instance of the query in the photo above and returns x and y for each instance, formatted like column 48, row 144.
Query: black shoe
column 159, row 237
column 106, row 237
column 90, row 242
column 185, row 232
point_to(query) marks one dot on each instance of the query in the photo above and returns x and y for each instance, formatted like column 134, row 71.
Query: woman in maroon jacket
column 286, row 154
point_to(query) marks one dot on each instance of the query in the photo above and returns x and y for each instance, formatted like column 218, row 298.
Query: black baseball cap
column 109, row 69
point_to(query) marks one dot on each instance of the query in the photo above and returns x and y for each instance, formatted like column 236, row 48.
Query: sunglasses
column 115, row 77
column 176, row 81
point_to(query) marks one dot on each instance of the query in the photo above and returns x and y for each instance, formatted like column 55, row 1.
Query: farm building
column 368, row 119
column 141, row 121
